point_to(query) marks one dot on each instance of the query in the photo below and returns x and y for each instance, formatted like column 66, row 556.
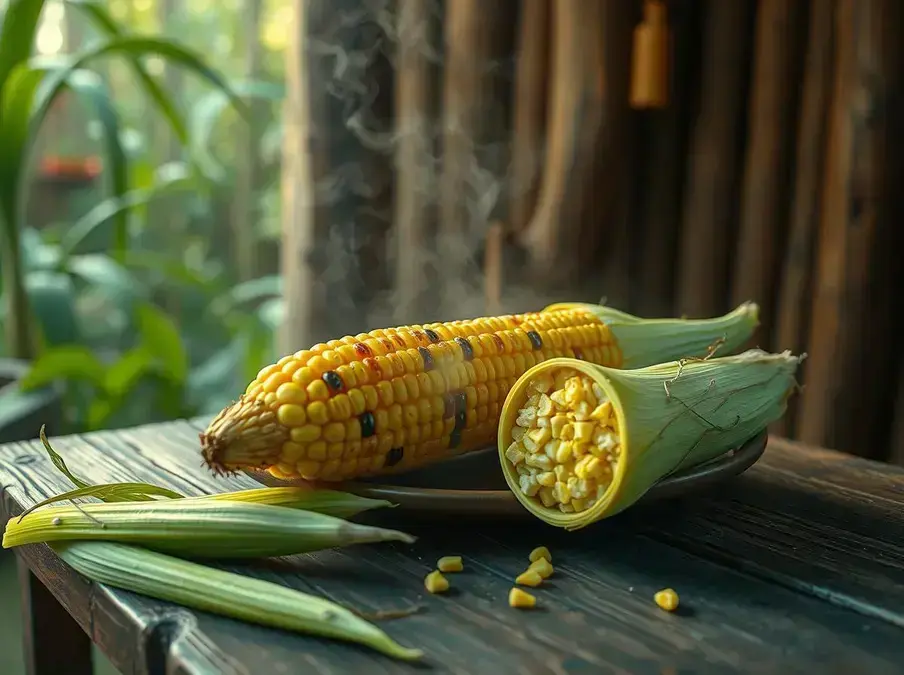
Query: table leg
column 54, row 643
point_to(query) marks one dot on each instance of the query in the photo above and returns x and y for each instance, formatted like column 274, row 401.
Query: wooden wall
column 771, row 173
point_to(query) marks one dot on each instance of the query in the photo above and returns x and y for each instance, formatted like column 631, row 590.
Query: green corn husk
column 646, row 342
column 202, row 528
column 670, row 417
column 225, row 593
column 329, row 502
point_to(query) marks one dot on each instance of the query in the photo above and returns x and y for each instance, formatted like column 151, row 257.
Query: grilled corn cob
column 398, row 398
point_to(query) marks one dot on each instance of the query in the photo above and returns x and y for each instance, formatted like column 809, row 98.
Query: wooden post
column 416, row 101
column 576, row 123
column 244, row 211
column 662, row 174
column 765, row 197
column 530, row 103
column 793, row 311
column 335, row 182
column 847, row 400
column 477, row 36
column 710, row 203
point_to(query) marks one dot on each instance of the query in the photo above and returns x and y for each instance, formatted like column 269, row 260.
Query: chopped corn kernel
column 565, row 444
column 543, row 567
column 529, row 578
column 521, row 599
column 450, row 563
column 435, row 582
column 667, row 599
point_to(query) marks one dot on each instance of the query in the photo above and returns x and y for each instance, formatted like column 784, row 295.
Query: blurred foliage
column 136, row 302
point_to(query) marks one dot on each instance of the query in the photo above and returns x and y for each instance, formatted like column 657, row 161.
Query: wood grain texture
column 796, row 567
column 793, row 309
column 710, row 204
column 765, row 194
column 849, row 394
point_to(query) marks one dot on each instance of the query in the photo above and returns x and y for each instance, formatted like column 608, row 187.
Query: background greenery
column 144, row 200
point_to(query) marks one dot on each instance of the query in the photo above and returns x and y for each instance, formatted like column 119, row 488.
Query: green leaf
column 124, row 374
column 161, row 338
column 119, row 206
column 110, row 492
column 16, row 103
column 97, row 13
column 17, row 35
column 108, row 276
column 52, row 299
column 63, row 363
column 248, row 291
column 92, row 88
column 59, row 463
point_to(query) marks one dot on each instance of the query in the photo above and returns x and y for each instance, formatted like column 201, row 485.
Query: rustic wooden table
column 795, row 567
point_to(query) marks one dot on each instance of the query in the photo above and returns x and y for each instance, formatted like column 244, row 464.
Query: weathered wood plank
column 710, row 208
column 793, row 309
column 765, row 193
column 754, row 563
column 849, row 395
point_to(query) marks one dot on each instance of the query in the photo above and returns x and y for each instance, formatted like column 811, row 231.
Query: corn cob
column 398, row 398
column 579, row 442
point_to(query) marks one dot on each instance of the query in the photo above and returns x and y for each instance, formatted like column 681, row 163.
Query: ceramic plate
column 473, row 484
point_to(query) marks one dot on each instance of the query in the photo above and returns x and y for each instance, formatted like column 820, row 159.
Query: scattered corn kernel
column 435, row 582
column 667, row 599
column 521, row 599
column 529, row 578
column 543, row 567
column 450, row 563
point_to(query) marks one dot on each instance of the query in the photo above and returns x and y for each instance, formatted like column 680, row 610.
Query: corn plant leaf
column 52, row 297
column 104, row 22
column 110, row 492
column 58, row 461
column 17, row 34
column 161, row 338
column 118, row 206
column 64, row 362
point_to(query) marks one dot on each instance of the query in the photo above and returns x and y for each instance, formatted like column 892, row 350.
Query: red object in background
column 71, row 168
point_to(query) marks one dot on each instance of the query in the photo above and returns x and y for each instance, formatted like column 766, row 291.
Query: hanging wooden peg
column 650, row 76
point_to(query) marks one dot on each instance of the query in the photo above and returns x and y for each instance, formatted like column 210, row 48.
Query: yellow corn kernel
column 450, row 563
column 543, row 567
column 317, row 413
column 435, row 582
column 291, row 415
column 540, row 552
column 305, row 434
column 289, row 392
column 318, row 391
column 667, row 599
column 529, row 578
column 521, row 599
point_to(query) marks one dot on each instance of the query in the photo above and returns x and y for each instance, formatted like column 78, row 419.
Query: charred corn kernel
column 667, row 599
column 450, row 563
column 540, row 552
column 543, row 567
column 529, row 578
column 435, row 582
column 521, row 599
column 459, row 372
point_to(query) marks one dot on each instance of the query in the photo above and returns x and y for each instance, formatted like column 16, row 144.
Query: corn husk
column 670, row 417
column 646, row 342
column 329, row 502
column 225, row 593
column 202, row 528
